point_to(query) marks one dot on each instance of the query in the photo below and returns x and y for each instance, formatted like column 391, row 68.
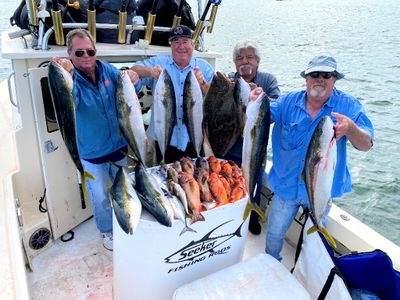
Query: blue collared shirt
column 180, row 135
column 292, row 133
column 97, row 125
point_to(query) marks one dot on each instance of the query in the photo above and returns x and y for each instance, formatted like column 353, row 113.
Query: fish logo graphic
column 206, row 244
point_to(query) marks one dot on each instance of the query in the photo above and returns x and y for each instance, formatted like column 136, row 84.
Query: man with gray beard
column 246, row 57
column 295, row 116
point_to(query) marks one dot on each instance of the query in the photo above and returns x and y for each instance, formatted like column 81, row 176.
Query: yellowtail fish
column 164, row 111
column 319, row 170
column 61, row 85
column 152, row 196
column 130, row 116
column 125, row 201
column 255, row 141
column 193, row 110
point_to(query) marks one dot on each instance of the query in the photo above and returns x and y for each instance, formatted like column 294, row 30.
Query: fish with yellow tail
column 319, row 170
column 125, row 201
column 130, row 117
column 61, row 85
column 255, row 142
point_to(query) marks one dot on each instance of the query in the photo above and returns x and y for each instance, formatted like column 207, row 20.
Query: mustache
column 246, row 69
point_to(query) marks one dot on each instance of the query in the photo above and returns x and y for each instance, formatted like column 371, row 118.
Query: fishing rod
column 151, row 19
column 213, row 15
column 122, row 15
column 178, row 16
column 200, row 23
column 91, row 15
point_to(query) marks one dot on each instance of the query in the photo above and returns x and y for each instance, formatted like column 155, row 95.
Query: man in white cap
column 178, row 64
column 296, row 116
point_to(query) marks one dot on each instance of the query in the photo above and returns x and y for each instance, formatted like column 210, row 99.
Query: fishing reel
column 75, row 5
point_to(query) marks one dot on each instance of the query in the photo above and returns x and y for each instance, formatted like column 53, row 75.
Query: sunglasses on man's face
column 89, row 52
column 325, row 75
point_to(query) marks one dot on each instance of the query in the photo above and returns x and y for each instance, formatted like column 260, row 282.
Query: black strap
column 305, row 214
column 328, row 283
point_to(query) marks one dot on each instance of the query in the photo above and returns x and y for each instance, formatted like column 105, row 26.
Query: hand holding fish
column 255, row 93
column 358, row 137
column 200, row 78
column 156, row 71
column 65, row 63
column 133, row 76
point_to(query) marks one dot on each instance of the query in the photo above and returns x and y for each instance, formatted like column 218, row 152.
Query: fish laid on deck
column 125, row 201
column 61, row 85
column 164, row 111
column 255, row 141
column 130, row 116
column 319, row 170
column 193, row 110
column 222, row 116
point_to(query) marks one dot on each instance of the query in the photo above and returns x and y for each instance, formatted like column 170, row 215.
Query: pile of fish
column 181, row 190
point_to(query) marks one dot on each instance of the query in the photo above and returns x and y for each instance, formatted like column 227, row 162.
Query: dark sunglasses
column 80, row 53
column 325, row 75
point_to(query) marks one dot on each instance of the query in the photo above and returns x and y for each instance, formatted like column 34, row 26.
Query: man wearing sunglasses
column 296, row 116
column 178, row 64
column 97, row 128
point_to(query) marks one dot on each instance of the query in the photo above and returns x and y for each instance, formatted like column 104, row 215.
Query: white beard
column 318, row 91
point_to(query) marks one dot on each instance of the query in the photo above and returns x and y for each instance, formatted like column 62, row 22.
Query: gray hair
column 81, row 33
column 246, row 44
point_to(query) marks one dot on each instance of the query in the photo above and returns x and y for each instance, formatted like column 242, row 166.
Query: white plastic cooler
column 153, row 262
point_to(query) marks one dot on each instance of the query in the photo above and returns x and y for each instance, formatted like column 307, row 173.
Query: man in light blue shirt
column 296, row 116
column 178, row 64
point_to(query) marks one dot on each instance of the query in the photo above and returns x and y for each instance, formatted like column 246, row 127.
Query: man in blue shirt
column 97, row 129
column 295, row 116
column 178, row 64
column 246, row 57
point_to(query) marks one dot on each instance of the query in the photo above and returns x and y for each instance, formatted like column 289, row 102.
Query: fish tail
column 253, row 206
column 187, row 228
column 86, row 175
column 324, row 232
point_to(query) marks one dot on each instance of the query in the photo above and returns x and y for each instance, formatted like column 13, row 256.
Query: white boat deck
column 83, row 268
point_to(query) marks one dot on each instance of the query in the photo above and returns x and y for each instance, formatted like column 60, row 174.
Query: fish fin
column 324, row 232
column 254, row 206
column 197, row 217
column 259, row 211
column 187, row 228
column 328, row 236
column 206, row 145
column 247, row 211
column 312, row 229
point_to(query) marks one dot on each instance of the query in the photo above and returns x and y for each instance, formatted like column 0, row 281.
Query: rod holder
column 91, row 15
column 122, row 27
column 58, row 27
column 151, row 19
column 197, row 31
column 176, row 21
column 213, row 15
column 32, row 12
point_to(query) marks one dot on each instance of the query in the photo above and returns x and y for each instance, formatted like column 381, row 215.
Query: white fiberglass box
column 153, row 262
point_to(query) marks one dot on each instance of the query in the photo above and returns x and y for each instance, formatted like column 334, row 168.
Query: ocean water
column 364, row 37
